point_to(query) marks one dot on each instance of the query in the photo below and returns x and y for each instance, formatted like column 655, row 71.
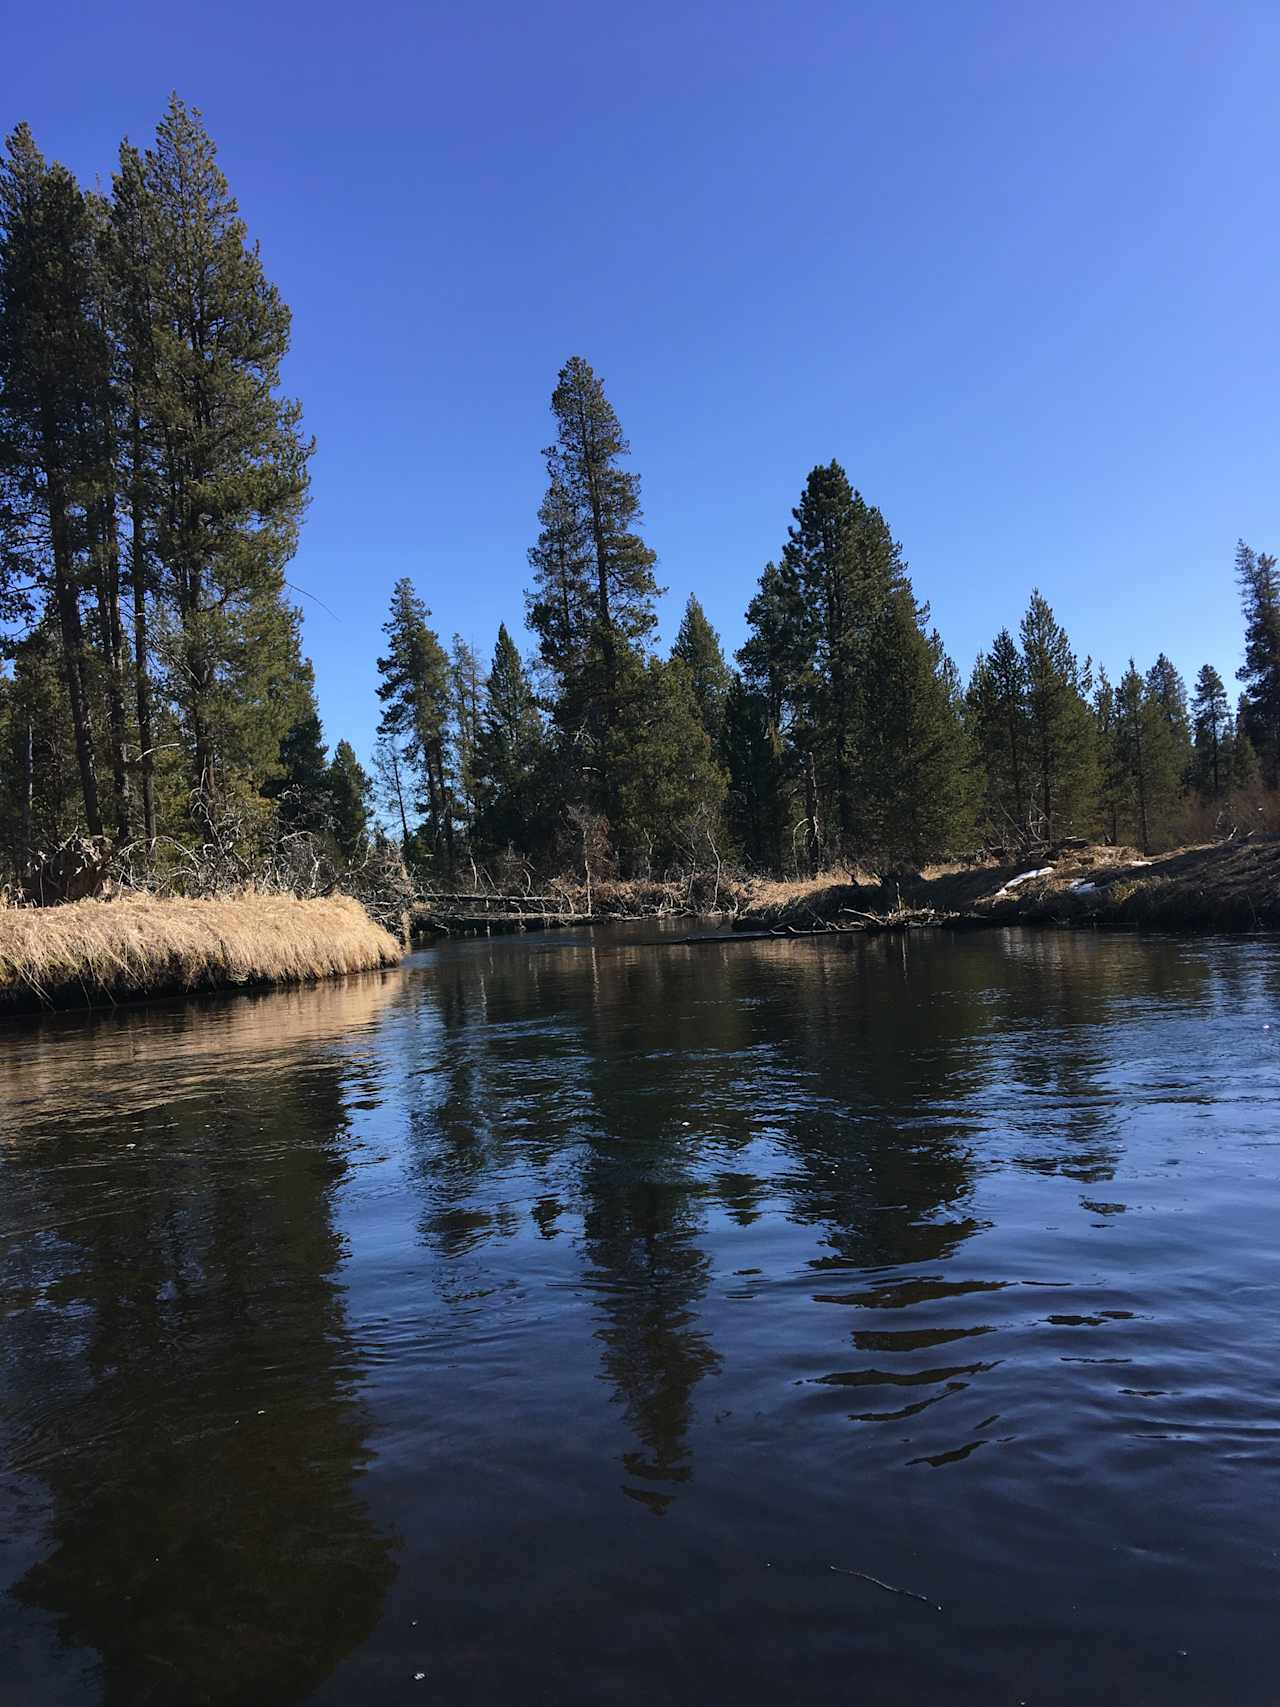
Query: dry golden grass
column 139, row 945
column 1219, row 885
column 770, row 895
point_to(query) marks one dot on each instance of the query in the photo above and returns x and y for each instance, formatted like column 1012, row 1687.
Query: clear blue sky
column 1013, row 265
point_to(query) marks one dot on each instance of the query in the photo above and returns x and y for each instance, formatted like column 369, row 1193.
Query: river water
column 578, row 1320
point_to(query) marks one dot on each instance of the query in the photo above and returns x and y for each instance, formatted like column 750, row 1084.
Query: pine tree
column 1211, row 719
column 669, row 789
column 510, row 756
column 466, row 693
column 53, row 360
column 1246, row 767
column 131, row 279
column 1113, row 781
column 996, row 712
column 232, row 463
column 697, row 645
column 350, row 794
column 40, row 798
column 1150, row 756
column 559, row 605
column 776, row 736
column 1169, row 691
column 300, row 786
column 918, row 776
column 414, row 691
column 847, row 569
column 859, row 690
column 1259, row 582
column 1061, row 727
column 593, row 602
column 756, row 803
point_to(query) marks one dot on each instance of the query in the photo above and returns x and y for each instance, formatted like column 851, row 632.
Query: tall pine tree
column 1259, row 584
column 1211, row 719
column 592, row 605
column 414, row 691
column 231, row 475
column 510, row 760
column 1062, row 755
column 53, row 361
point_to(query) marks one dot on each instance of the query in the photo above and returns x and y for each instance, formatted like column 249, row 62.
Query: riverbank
column 1227, row 886
column 570, row 903
column 91, row 952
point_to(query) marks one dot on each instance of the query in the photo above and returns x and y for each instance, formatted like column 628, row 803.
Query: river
column 578, row 1320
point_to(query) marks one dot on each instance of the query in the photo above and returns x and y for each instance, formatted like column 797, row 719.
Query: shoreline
column 100, row 953
column 1221, row 886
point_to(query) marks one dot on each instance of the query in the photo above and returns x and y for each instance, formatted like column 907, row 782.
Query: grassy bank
column 96, row 951
column 1218, row 886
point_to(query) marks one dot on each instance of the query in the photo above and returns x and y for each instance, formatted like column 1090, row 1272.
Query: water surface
column 574, row 1320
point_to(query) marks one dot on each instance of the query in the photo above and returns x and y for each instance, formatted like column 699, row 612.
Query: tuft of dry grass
column 776, row 895
column 140, row 945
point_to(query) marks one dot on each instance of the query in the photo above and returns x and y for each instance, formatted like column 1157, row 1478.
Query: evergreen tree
column 350, row 794
column 414, row 691
column 847, row 569
column 1246, row 767
column 1150, row 757
column 1113, row 781
column 776, row 733
column 669, row 789
column 53, row 361
column 131, row 266
column 1260, row 592
column 466, row 692
column 40, row 798
column 1169, row 691
column 756, row 798
column 1059, row 721
column 300, row 786
column 996, row 713
column 861, row 693
column 697, row 645
column 231, row 462
column 592, row 605
column 1211, row 719
column 559, row 605
column 921, row 777
column 510, row 756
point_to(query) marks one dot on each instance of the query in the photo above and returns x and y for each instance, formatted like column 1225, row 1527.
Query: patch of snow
column 1044, row 871
column 1081, row 887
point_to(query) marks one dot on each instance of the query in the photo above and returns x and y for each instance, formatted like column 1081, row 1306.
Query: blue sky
column 1013, row 265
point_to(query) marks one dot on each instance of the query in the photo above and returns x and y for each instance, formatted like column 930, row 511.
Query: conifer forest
column 155, row 697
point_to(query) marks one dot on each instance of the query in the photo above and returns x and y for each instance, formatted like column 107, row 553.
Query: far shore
column 99, row 952
column 1219, row 886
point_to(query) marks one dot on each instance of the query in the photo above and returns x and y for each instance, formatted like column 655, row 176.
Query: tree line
column 152, row 484
column 152, row 481
column 845, row 731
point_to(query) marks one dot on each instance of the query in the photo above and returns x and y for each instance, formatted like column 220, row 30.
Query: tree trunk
column 812, row 839
column 141, row 649
column 28, row 797
column 72, row 633
column 107, row 551
column 404, row 822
